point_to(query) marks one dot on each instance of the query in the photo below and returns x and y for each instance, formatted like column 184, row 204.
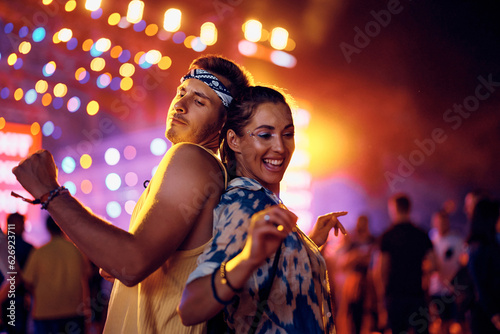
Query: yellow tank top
column 150, row 307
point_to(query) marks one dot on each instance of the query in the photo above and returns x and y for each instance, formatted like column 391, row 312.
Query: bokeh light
column 112, row 156
column 131, row 179
column 129, row 206
column 68, row 165
column 158, row 146
column 127, row 70
column 92, row 108
column 86, row 186
column 85, row 161
column 48, row 128
column 38, row 34
column 71, row 187
column 172, row 20
column 18, row 94
column 60, row 90
column 35, row 128
column 113, row 209
column 30, row 96
column 113, row 181
column 129, row 152
column 74, row 104
column 114, row 19
column 41, row 86
column 49, row 69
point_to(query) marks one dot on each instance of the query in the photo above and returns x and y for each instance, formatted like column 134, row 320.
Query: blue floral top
column 299, row 301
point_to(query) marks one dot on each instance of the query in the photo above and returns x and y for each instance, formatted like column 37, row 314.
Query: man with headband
column 172, row 220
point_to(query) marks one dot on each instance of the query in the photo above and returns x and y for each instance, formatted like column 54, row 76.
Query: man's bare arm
column 166, row 218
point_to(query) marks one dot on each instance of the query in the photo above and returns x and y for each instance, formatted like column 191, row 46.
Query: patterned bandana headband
column 212, row 82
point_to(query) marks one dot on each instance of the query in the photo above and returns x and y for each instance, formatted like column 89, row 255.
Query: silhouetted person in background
column 57, row 276
column 358, row 299
column 22, row 249
column 403, row 249
column 484, row 267
column 449, row 248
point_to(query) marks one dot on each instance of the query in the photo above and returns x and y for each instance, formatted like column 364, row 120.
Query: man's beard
column 197, row 136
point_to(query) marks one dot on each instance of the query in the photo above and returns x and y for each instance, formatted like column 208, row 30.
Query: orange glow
column 116, row 51
column 46, row 99
column 86, row 186
column 18, row 94
column 165, row 63
column 35, row 128
column 138, row 56
column 2, row 123
column 151, row 29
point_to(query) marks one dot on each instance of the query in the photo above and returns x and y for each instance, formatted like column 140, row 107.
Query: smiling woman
column 247, row 265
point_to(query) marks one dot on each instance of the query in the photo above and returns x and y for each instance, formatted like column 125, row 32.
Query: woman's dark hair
column 483, row 222
column 240, row 113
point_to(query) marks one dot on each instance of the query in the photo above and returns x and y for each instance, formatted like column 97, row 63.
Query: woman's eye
column 265, row 135
column 289, row 135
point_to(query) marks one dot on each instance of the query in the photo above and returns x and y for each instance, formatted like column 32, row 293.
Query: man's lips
column 178, row 120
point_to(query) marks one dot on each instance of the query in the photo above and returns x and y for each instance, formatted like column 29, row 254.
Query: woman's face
column 265, row 149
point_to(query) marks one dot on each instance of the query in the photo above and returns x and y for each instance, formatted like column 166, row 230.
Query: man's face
column 194, row 114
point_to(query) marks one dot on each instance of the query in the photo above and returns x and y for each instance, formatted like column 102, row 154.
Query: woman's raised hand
column 324, row 224
column 267, row 230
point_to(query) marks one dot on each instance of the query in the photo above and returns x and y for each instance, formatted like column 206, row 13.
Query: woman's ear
column 233, row 141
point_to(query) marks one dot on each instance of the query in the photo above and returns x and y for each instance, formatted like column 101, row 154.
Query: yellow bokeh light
column 252, row 30
column 279, row 38
column 126, row 84
column 60, row 90
column 87, row 45
column 35, row 128
column 46, row 2
column 86, row 186
column 41, row 86
column 97, row 64
column 46, row 99
column 172, row 20
column 188, row 40
column 70, row 6
column 135, row 11
column 25, row 47
column 165, row 63
column 55, row 38
column 114, row 19
column 116, row 51
column 2, row 123
column 208, row 33
column 11, row 60
column 85, row 161
column 127, row 70
column 18, row 94
column 290, row 46
column 92, row 108
column 103, row 44
column 151, row 29
column 138, row 56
